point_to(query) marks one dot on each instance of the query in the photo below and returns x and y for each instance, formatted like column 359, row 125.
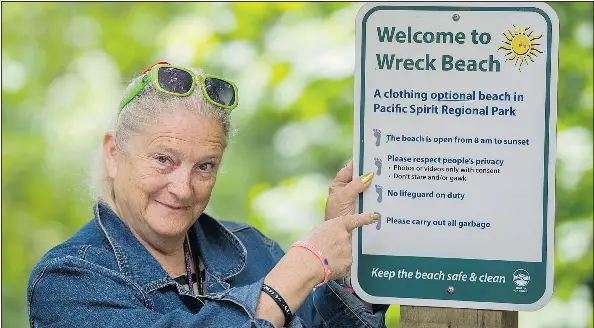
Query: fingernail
column 367, row 177
column 374, row 216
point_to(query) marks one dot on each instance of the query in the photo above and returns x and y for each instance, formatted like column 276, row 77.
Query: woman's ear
column 110, row 154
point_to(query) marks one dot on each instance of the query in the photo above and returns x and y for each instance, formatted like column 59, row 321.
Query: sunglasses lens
column 175, row 80
column 220, row 91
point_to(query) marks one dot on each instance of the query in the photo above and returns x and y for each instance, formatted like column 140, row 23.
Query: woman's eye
column 205, row 167
column 163, row 159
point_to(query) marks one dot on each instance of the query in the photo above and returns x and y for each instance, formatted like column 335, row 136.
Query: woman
column 151, row 257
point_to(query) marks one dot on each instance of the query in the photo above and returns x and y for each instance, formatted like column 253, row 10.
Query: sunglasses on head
column 179, row 81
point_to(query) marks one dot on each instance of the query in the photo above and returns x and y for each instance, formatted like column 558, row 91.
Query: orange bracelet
column 320, row 256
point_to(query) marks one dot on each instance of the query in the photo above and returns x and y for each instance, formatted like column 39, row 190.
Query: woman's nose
column 181, row 184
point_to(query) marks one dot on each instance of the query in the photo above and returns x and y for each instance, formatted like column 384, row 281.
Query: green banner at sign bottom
column 452, row 279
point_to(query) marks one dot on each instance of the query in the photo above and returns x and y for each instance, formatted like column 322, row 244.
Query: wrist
column 318, row 254
column 312, row 271
column 280, row 301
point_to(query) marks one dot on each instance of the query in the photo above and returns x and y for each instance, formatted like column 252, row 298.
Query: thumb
column 345, row 175
column 352, row 222
column 357, row 186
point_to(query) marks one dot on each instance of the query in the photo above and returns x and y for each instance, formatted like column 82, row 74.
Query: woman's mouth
column 173, row 207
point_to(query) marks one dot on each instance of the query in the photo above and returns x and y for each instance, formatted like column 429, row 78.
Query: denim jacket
column 103, row 276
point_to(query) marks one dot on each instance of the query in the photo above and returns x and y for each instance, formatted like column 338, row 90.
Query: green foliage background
column 64, row 65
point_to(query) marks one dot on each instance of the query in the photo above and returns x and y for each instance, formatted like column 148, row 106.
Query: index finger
column 352, row 222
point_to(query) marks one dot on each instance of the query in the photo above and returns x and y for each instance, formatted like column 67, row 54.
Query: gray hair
column 143, row 111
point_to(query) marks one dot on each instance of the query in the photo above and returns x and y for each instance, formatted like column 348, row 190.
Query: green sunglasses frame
column 152, row 76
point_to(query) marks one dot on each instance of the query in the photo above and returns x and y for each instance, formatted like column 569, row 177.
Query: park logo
column 521, row 46
column 521, row 278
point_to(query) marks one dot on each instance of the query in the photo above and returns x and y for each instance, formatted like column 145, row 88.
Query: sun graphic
column 521, row 45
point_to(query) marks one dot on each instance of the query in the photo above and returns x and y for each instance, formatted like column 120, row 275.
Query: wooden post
column 428, row 317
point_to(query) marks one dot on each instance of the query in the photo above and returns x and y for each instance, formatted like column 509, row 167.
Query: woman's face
column 164, row 180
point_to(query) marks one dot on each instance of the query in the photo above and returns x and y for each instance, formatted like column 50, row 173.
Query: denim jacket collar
column 223, row 253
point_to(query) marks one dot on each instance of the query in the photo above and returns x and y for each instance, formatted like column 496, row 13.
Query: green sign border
column 464, row 291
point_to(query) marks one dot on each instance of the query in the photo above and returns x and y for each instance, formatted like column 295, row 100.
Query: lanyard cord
column 189, row 267
column 200, row 270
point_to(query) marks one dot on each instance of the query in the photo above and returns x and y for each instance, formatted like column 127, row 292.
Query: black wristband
column 280, row 301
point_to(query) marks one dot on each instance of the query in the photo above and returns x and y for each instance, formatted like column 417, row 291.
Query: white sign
column 455, row 112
